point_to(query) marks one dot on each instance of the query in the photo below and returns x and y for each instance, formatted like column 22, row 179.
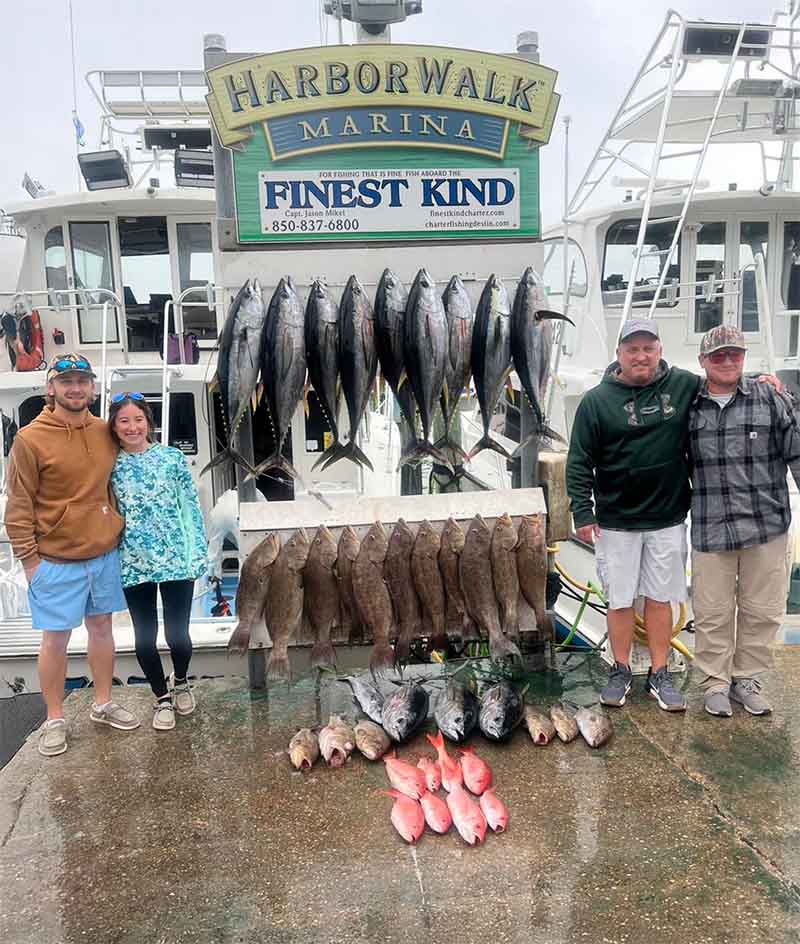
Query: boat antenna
column 75, row 120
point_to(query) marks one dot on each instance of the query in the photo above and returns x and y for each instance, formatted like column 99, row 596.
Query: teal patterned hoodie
column 164, row 538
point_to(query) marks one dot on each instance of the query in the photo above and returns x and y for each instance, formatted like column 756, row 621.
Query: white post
column 165, row 379
column 103, row 359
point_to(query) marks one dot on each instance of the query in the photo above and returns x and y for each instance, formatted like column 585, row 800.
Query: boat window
column 196, row 268
column 553, row 268
column 709, row 276
column 91, row 263
column 753, row 238
column 618, row 260
column 182, row 421
column 146, row 277
column 55, row 260
column 790, row 280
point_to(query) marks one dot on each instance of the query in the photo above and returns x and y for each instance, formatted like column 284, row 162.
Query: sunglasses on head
column 719, row 357
column 119, row 397
column 79, row 363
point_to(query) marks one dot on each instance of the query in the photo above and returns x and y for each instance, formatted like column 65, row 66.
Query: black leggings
column 176, row 597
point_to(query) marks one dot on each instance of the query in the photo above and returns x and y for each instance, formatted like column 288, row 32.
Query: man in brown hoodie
column 63, row 526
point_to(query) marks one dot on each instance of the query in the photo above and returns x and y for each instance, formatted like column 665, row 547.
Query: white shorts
column 649, row 564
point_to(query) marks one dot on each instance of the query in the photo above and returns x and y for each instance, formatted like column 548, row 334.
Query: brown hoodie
column 60, row 506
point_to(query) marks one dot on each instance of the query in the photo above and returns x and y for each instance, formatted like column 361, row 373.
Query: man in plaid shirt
column 743, row 439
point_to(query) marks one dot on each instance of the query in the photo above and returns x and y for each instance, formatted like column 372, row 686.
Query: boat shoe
column 164, row 715
column 115, row 716
column 747, row 692
column 182, row 696
column 53, row 737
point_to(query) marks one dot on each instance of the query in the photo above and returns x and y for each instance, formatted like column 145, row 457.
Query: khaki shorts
column 633, row 564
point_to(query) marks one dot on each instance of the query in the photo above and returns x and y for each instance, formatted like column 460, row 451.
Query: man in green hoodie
column 628, row 482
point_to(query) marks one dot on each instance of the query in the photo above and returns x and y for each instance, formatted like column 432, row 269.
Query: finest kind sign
column 383, row 142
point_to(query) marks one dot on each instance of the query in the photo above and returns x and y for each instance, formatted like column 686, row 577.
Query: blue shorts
column 62, row 594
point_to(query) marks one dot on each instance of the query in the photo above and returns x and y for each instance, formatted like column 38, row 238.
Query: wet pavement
column 684, row 828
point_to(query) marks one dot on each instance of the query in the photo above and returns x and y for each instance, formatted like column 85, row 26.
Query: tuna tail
column 459, row 455
column 323, row 655
column 418, row 449
column 226, row 456
column 332, row 451
column 543, row 432
column 278, row 667
column 350, row 450
column 239, row 642
column 501, row 647
column 381, row 658
column 275, row 461
column 486, row 442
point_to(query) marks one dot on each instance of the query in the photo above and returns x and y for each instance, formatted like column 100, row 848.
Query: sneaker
column 182, row 696
column 660, row 686
column 164, row 715
column 619, row 683
column 53, row 737
column 717, row 703
column 747, row 691
column 114, row 715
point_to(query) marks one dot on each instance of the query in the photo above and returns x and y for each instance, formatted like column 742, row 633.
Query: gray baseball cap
column 639, row 326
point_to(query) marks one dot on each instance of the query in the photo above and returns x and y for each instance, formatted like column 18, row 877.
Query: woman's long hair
column 142, row 405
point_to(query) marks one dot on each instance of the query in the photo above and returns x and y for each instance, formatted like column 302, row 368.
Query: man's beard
column 73, row 406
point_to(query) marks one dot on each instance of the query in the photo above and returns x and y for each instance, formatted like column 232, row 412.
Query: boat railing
column 8, row 226
column 176, row 94
column 712, row 288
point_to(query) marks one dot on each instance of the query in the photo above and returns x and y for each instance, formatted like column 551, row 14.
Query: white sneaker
column 182, row 696
column 163, row 716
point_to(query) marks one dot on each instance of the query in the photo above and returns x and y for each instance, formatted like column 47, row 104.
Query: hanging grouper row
column 428, row 345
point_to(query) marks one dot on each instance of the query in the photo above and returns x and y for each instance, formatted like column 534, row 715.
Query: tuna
column 407, row 816
column 251, row 593
column 358, row 364
column 322, row 356
column 239, row 364
column 397, row 572
column 391, row 299
column 322, row 596
column 371, row 739
column 500, row 712
column 283, row 370
column 425, row 352
column 456, row 712
column 284, row 607
column 368, row 698
column 532, row 564
column 347, row 552
column 540, row 727
column 594, row 725
column 458, row 367
column 304, row 749
column 336, row 741
column 372, row 597
column 478, row 587
column 531, row 345
column 504, row 573
column 491, row 356
column 428, row 583
column 404, row 711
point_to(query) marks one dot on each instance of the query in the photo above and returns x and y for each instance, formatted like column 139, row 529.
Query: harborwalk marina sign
column 383, row 142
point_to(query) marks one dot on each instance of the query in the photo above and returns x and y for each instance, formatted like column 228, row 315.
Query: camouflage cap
column 69, row 364
column 720, row 337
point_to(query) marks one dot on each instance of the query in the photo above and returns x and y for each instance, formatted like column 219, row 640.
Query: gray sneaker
column 620, row 678
column 717, row 703
column 182, row 696
column 114, row 715
column 660, row 686
column 164, row 715
column 747, row 691
column 53, row 737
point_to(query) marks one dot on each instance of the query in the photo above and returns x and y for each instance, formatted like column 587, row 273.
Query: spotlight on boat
column 194, row 168
column 104, row 170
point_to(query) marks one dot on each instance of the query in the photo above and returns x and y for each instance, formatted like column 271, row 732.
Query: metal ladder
column 166, row 371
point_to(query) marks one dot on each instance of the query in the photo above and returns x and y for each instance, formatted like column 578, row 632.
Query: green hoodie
column 628, row 449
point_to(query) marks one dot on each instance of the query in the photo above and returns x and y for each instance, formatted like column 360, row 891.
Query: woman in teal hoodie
column 163, row 549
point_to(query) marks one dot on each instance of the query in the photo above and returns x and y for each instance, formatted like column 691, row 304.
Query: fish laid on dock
column 564, row 723
column 368, row 697
column 405, row 711
column 504, row 573
column 372, row 597
column 322, row 596
column 594, row 725
column 251, row 591
column 437, row 813
column 541, row 728
column 371, row 739
column 304, row 749
column 407, row 816
column 467, row 815
column 452, row 774
column 477, row 773
column 406, row 778
column 433, row 774
column 428, row 583
column 501, row 710
column 284, row 607
column 494, row 810
column 456, row 711
column 397, row 572
column 336, row 741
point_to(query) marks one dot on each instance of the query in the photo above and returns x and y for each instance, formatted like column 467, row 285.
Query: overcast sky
column 596, row 45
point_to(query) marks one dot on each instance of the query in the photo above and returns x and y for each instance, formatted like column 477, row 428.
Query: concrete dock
column 684, row 828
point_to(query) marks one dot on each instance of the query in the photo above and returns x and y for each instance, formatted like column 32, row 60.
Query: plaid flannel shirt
column 739, row 458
